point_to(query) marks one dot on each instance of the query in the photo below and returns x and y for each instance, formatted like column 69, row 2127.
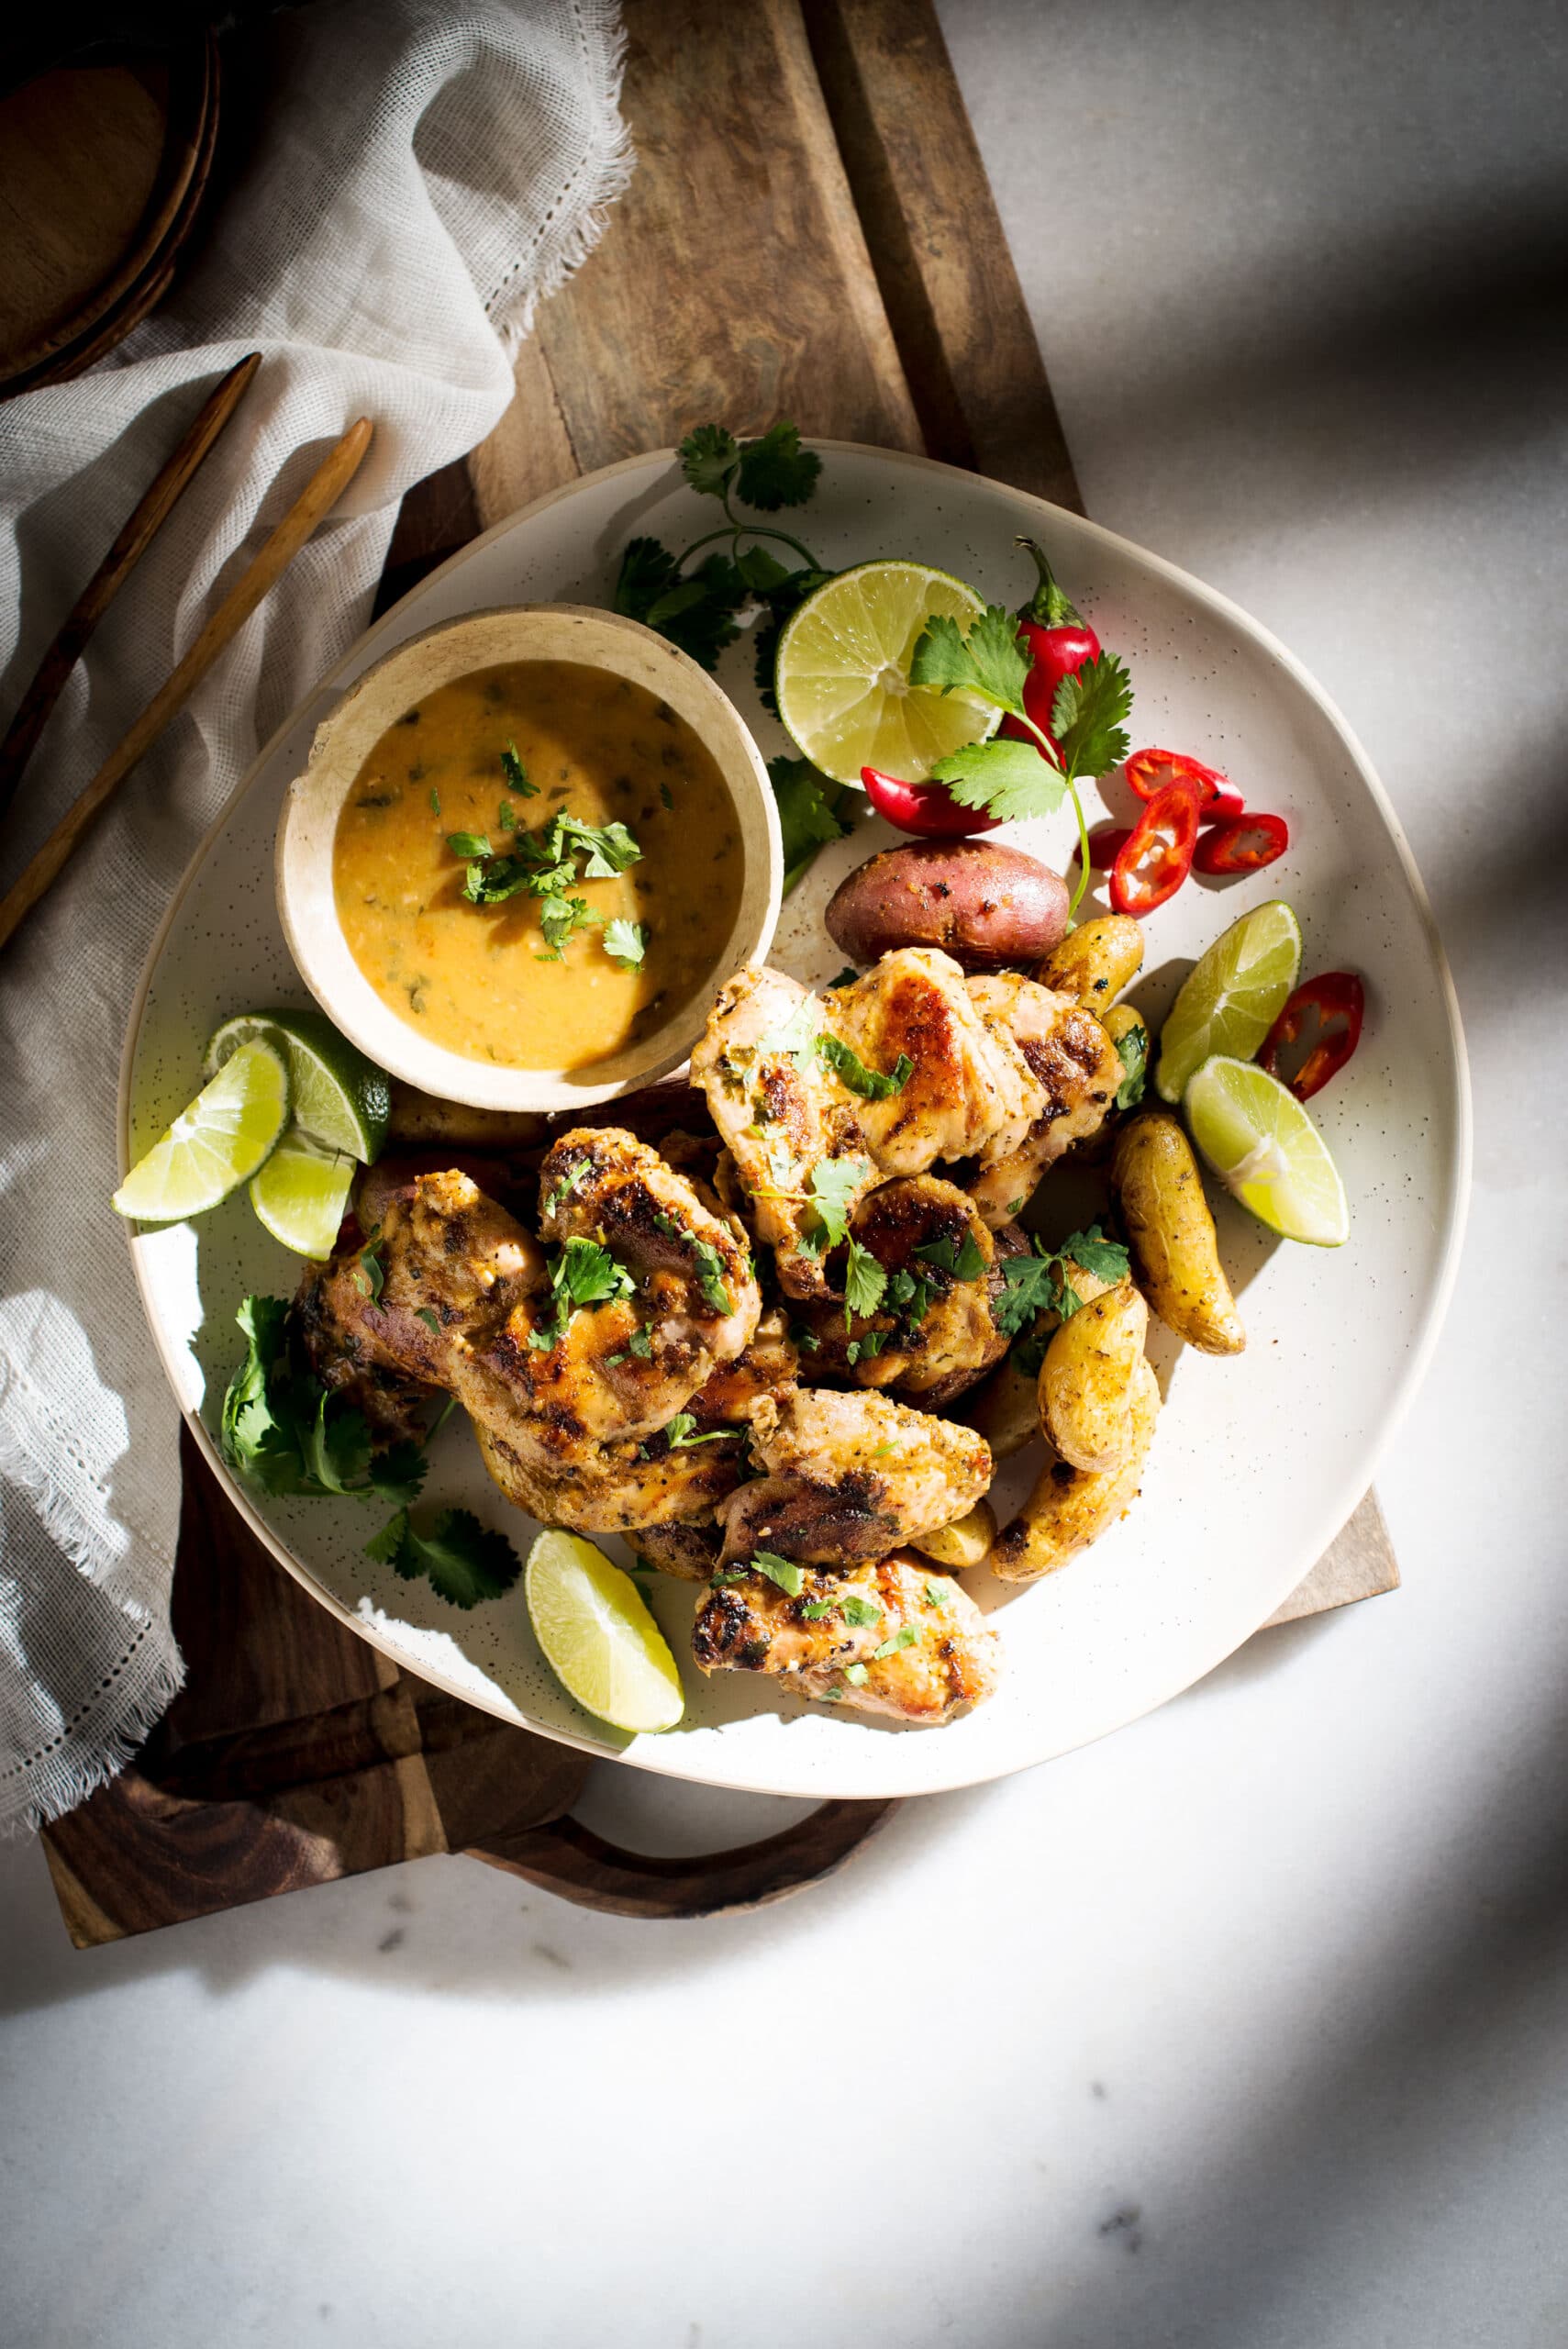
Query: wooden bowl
column 107, row 160
column 307, row 830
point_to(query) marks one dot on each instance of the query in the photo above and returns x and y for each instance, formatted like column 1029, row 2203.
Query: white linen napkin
column 423, row 173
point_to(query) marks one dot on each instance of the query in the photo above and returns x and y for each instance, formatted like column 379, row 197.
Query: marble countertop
column 1248, row 2027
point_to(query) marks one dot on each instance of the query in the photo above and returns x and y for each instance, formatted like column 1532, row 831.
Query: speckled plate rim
column 662, row 1756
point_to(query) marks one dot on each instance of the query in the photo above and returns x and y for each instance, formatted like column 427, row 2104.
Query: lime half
column 301, row 1193
column 1232, row 997
column 1267, row 1151
column 340, row 1097
column 598, row 1637
column 228, row 1131
column 842, row 676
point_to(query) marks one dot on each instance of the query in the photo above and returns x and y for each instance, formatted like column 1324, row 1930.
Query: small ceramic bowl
column 307, row 829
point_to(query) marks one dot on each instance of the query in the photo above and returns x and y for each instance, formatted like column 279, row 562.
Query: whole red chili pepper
column 1244, row 845
column 1156, row 854
column 927, row 809
column 1338, row 1002
column 1059, row 640
column 1150, row 771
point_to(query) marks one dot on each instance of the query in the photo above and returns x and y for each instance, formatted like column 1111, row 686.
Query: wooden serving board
column 809, row 234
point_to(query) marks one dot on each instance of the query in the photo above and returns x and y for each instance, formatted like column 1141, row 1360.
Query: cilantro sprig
column 582, row 1274
column 549, row 864
column 1012, row 778
column 465, row 1561
column 871, row 1084
column 1043, row 1283
column 283, row 1433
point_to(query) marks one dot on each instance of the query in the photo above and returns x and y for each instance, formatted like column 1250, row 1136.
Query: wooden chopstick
column 317, row 498
column 153, row 511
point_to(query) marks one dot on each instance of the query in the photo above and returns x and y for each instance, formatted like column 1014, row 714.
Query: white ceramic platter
column 1257, row 1461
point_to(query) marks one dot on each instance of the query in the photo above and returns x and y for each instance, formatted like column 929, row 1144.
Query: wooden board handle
column 568, row 1859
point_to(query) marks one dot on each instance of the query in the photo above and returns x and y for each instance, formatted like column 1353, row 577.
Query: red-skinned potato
column 985, row 905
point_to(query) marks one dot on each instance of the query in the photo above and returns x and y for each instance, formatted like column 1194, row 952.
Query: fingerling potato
column 965, row 1542
column 1095, row 961
column 1071, row 1507
column 1089, row 1377
column 1006, row 1410
column 1171, row 1233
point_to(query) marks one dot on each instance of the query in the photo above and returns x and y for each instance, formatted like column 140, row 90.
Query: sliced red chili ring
column 1337, row 1002
column 1157, row 856
column 1151, row 771
column 1243, row 845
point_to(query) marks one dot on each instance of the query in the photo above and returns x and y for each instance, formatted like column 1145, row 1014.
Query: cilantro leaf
column 988, row 662
column 285, row 1433
column 935, row 1595
column 647, row 571
column 1008, row 779
column 515, row 772
column 902, row 1639
column 710, row 1277
column 965, row 1259
column 794, row 1037
column 465, row 1562
column 1107, row 1259
column 641, row 1343
column 855, row 1675
column 1132, row 1051
column 782, row 1571
column 697, row 613
column 608, row 848
column 762, row 571
column 1030, row 1289
column 1087, row 712
column 626, row 942
column 558, row 917
column 564, row 1189
column 871, row 1084
column 678, row 1435
column 709, row 456
column 864, row 1283
column 775, row 470
column 470, row 844
column 583, row 1274
column 368, row 1278
column 860, row 1610
column 834, row 1183
column 809, row 812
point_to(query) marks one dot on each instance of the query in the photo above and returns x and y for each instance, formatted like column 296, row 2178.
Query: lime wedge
column 228, row 1131
column 301, row 1193
column 841, row 680
column 598, row 1637
column 1267, row 1151
column 340, row 1097
column 1232, row 997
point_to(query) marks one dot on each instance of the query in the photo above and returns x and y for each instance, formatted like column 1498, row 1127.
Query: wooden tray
column 811, row 234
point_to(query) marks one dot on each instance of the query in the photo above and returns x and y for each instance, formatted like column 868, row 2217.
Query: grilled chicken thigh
column 781, row 1113
column 451, row 1293
column 1074, row 1075
column 850, row 1477
column 897, row 1638
column 932, row 1334
column 965, row 1085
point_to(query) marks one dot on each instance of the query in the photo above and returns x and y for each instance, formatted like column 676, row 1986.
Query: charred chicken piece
column 932, row 1334
column 850, row 1477
column 897, row 1638
column 1076, row 1074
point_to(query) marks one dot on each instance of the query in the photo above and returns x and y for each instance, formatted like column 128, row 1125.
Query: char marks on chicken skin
column 461, row 1300
column 933, row 1334
column 912, row 1646
column 850, row 1477
column 1076, row 1073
